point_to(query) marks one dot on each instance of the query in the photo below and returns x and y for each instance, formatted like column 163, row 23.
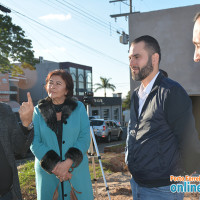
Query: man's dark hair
column 151, row 44
column 196, row 17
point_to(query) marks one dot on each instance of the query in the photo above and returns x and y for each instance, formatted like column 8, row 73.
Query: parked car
column 117, row 122
column 106, row 129
column 94, row 117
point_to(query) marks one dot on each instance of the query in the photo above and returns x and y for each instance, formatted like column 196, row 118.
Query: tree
column 14, row 47
column 127, row 102
column 105, row 85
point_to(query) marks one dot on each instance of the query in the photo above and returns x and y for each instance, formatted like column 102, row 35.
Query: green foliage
column 127, row 102
column 105, row 85
column 27, row 180
column 116, row 148
column 98, row 170
column 14, row 47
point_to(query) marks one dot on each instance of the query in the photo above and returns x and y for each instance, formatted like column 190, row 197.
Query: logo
column 184, row 184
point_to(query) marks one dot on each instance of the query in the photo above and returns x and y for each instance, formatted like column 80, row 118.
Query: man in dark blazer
column 14, row 138
column 161, row 138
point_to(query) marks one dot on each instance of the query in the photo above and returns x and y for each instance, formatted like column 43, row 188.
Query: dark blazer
column 13, row 140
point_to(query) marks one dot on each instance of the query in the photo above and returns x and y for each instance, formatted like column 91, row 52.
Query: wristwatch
column 30, row 126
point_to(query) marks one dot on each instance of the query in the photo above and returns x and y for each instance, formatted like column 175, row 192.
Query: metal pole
column 93, row 140
column 99, row 158
column 130, row 6
column 91, row 153
column 94, row 169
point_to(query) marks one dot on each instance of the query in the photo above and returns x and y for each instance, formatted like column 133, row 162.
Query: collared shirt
column 144, row 92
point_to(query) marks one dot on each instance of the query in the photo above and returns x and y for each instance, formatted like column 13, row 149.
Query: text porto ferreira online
column 185, row 184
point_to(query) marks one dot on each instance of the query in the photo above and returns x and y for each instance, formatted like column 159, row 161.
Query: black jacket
column 162, row 141
column 13, row 140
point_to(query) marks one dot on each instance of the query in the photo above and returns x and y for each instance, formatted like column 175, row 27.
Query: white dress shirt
column 144, row 92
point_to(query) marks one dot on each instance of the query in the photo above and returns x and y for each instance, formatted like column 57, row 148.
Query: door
column 113, row 129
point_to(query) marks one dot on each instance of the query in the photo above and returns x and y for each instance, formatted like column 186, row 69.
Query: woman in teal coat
column 61, row 141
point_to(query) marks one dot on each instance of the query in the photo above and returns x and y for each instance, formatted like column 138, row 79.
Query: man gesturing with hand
column 26, row 111
column 14, row 139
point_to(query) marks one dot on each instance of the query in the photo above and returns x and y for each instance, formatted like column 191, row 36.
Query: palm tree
column 105, row 85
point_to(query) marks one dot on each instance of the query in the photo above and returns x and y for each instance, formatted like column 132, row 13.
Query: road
column 102, row 144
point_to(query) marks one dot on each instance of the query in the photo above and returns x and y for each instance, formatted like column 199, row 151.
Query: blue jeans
column 157, row 193
column 7, row 196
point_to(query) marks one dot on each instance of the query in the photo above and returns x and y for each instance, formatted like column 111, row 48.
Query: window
column 107, row 124
column 106, row 113
column 116, row 113
column 111, row 124
column 95, row 112
column 97, row 122
column 81, row 81
column 72, row 71
column 114, row 124
column 74, row 80
column 13, row 97
column 88, row 80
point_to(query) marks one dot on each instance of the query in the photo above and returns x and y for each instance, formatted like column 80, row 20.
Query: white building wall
column 173, row 29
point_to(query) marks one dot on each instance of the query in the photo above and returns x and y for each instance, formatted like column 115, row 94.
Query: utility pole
column 130, row 6
column 4, row 9
column 124, row 38
column 123, row 14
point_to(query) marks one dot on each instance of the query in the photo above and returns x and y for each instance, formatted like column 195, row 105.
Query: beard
column 143, row 72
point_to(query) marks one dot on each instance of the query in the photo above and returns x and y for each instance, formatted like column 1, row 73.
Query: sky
column 82, row 31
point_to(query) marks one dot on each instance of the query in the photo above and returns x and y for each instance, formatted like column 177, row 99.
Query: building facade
column 82, row 77
column 9, row 90
column 35, row 79
column 173, row 28
column 106, row 108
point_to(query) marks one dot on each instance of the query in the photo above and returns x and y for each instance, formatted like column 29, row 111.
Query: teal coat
column 76, row 135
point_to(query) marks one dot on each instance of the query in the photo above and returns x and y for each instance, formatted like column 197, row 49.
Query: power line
column 85, row 14
column 56, row 8
column 98, row 19
column 80, row 16
column 39, row 43
column 75, row 41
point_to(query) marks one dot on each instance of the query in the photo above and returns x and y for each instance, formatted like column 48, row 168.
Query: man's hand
column 26, row 111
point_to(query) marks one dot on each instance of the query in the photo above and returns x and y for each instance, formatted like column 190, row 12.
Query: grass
column 27, row 173
column 98, row 169
column 27, row 177
column 117, row 148
column 27, row 180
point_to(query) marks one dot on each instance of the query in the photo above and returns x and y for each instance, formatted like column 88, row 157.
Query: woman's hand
column 65, row 178
column 61, row 170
